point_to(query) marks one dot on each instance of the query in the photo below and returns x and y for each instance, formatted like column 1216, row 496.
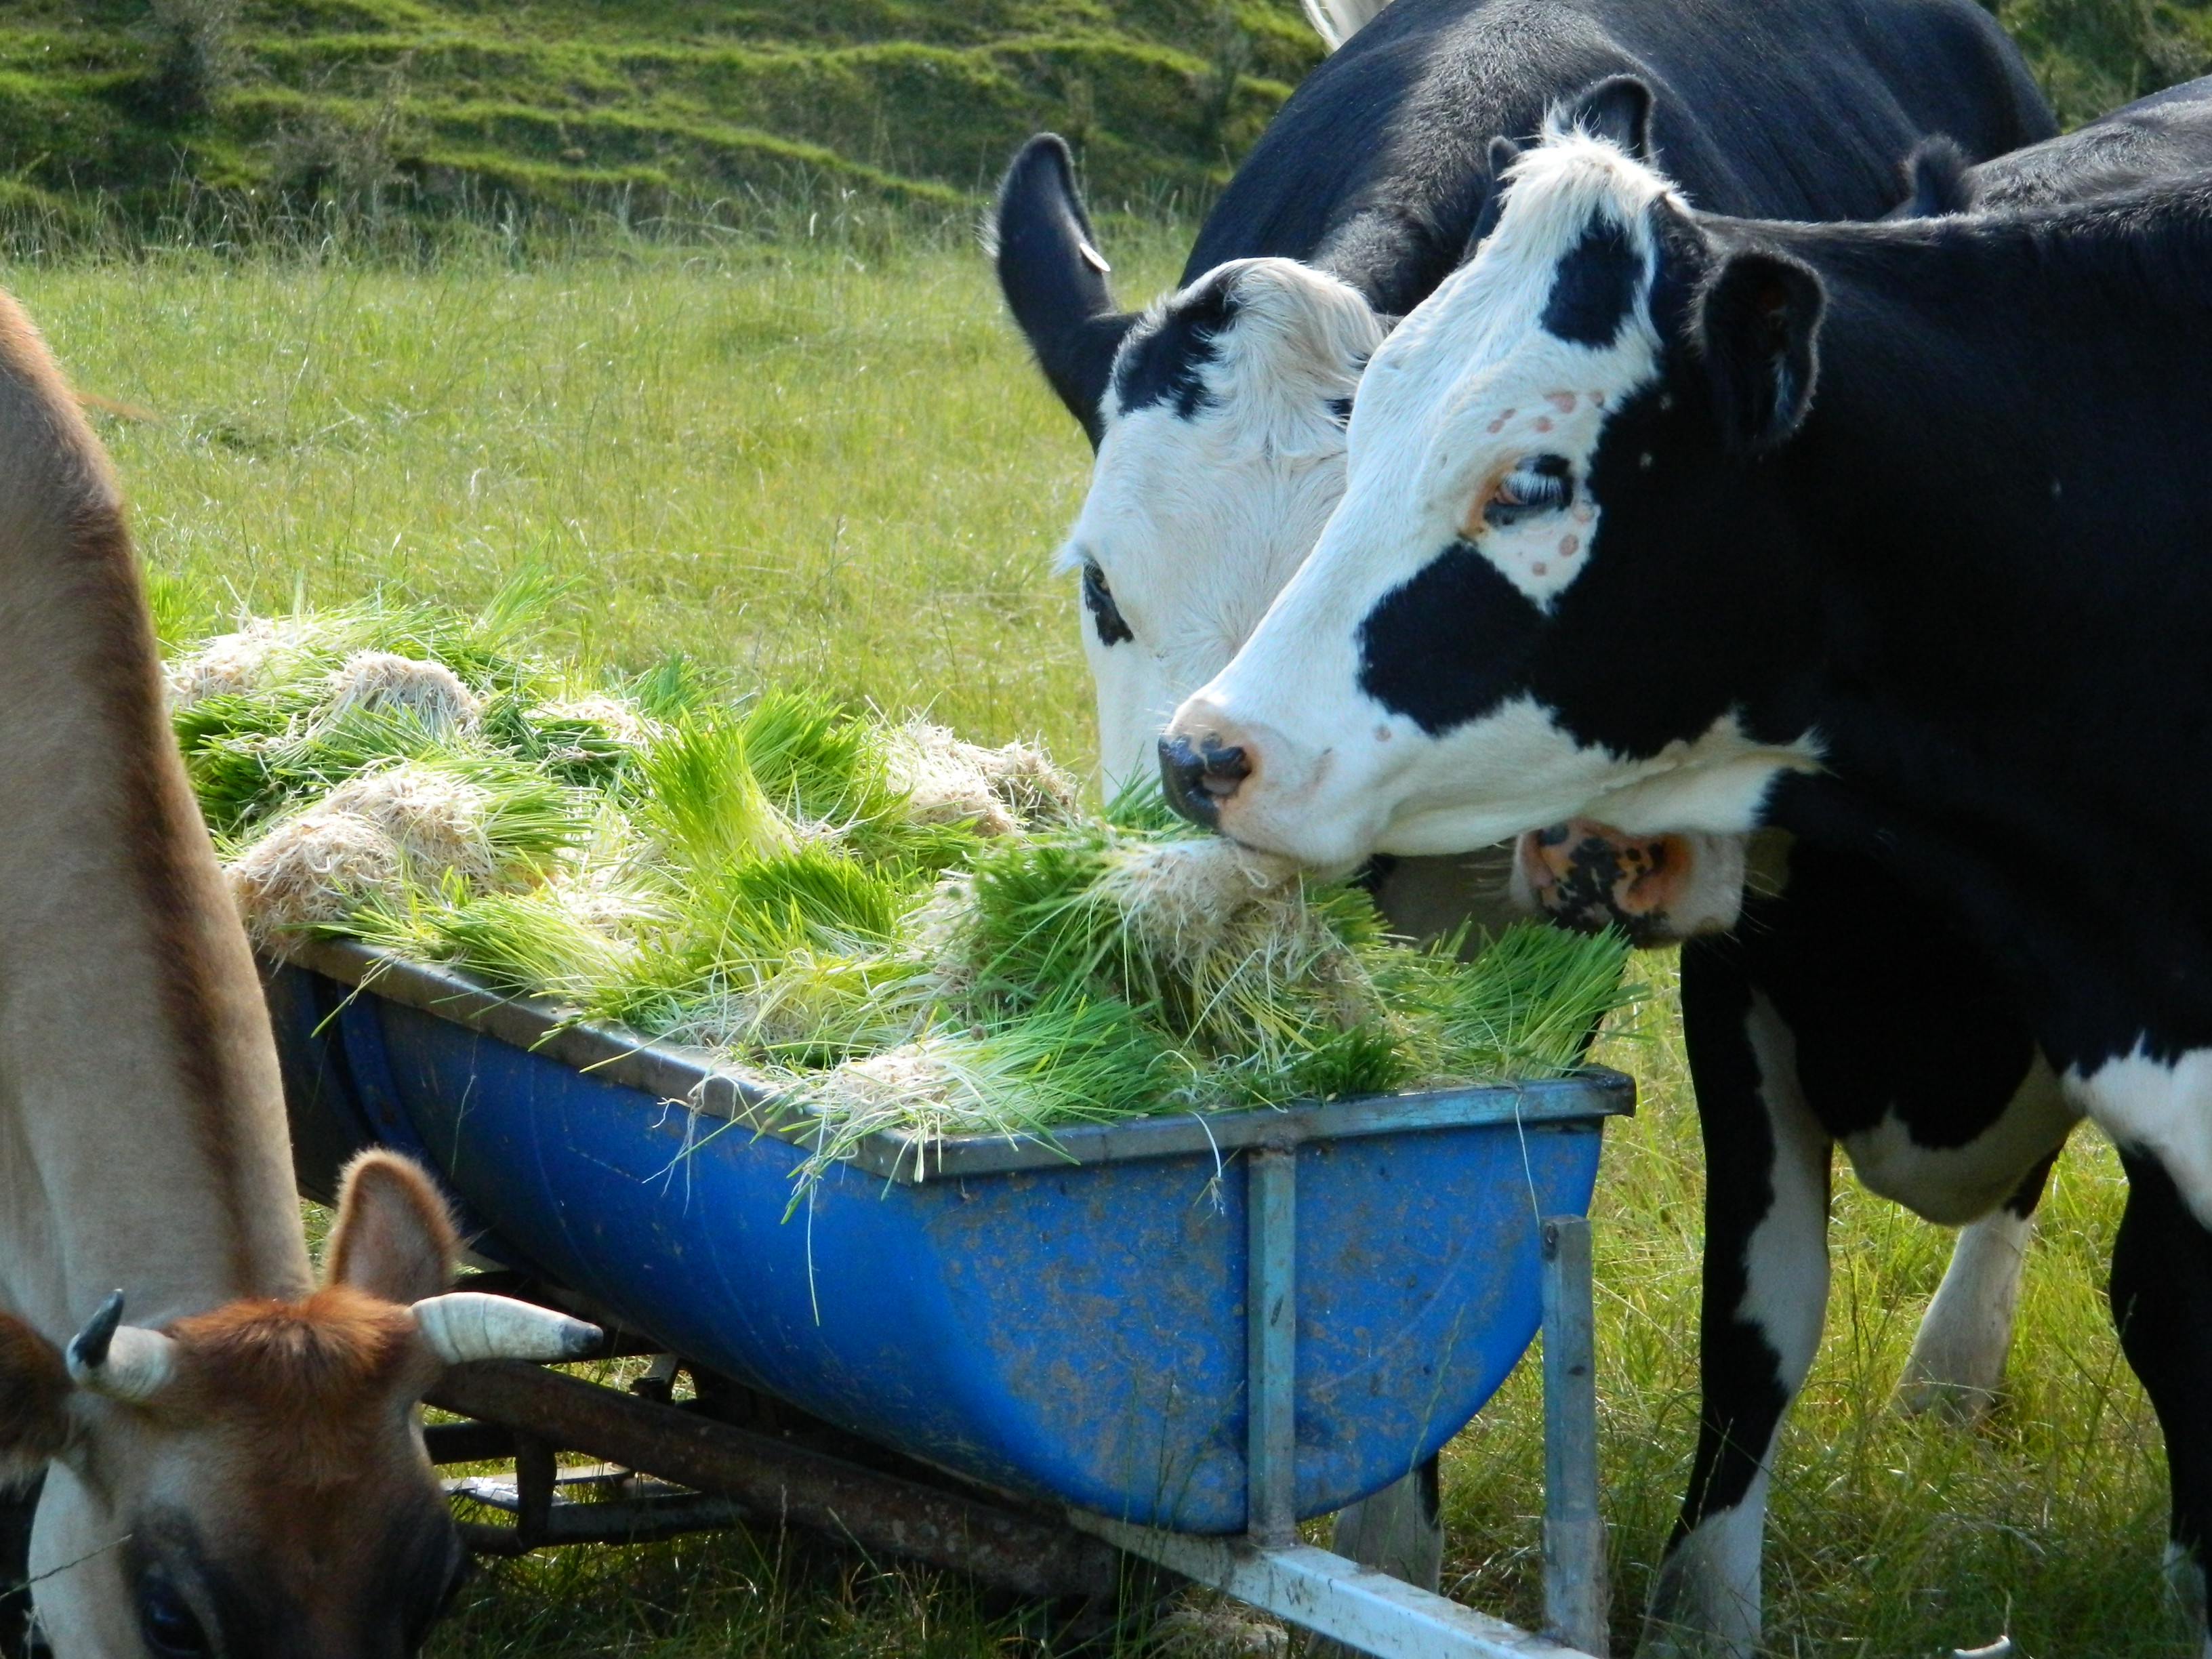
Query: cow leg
column 1765, row 1295
column 1958, row 1358
column 1400, row 1530
column 2161, row 1291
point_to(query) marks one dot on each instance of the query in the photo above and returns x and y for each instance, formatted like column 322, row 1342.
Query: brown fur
column 309, row 1386
column 34, row 1391
column 395, row 1238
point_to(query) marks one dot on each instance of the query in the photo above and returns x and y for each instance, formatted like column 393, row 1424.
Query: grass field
column 830, row 461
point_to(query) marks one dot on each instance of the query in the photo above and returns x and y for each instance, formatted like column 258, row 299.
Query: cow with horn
column 239, row 1469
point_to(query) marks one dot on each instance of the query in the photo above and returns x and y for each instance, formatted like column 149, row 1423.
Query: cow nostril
column 1183, row 779
column 1223, row 768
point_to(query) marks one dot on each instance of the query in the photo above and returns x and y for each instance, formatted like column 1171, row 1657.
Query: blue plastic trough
column 1064, row 1320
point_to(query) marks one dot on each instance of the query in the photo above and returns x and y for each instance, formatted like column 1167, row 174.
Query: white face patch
column 1472, row 440
column 1195, row 521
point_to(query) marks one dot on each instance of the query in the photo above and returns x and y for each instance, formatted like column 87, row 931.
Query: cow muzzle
column 1199, row 776
column 1658, row 890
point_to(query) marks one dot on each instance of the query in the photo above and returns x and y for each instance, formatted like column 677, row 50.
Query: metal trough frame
column 885, row 1503
column 1272, row 1568
column 524, row 1413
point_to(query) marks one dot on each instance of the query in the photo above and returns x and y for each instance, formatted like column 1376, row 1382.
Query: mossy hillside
column 568, row 103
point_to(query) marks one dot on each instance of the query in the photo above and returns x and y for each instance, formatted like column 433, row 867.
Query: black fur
column 1417, row 658
column 1383, row 168
column 1594, row 287
column 1165, row 360
column 1757, row 320
column 1056, row 294
column 1380, row 167
column 1617, row 109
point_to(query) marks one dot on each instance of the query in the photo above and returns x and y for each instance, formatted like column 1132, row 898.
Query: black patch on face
column 1167, row 365
column 1594, row 287
column 1099, row 600
column 1451, row 644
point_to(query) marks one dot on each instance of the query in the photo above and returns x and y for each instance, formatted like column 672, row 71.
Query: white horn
column 464, row 1325
column 122, row 1362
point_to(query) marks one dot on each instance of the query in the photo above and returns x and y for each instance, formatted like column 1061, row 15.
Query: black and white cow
column 1892, row 535
column 1217, row 418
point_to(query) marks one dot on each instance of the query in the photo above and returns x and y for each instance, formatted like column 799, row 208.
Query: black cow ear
column 1503, row 153
column 1055, row 278
column 1936, row 182
column 1617, row 109
column 1758, row 322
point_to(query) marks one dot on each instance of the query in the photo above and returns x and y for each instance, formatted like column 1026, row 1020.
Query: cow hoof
column 1961, row 1403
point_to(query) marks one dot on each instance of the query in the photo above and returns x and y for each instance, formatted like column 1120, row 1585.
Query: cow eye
column 1537, row 483
column 1099, row 600
column 167, row 1623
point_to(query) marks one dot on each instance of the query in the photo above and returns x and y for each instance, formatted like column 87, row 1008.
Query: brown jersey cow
column 239, row 1471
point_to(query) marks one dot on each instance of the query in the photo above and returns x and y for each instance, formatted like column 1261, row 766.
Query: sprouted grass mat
column 905, row 929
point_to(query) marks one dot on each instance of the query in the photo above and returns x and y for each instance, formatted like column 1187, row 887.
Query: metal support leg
column 1365, row 1610
column 1577, row 1599
column 1270, row 1346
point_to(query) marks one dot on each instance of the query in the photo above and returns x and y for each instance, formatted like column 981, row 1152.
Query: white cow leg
column 1958, row 1359
column 1765, row 1297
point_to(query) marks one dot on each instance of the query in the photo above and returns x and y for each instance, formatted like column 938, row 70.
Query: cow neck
column 2000, row 490
column 142, row 1141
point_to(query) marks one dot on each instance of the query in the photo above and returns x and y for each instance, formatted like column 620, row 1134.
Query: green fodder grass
column 685, row 437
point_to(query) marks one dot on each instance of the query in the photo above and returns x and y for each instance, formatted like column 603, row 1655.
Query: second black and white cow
column 1892, row 535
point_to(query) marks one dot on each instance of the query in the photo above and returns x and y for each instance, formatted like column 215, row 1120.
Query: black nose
column 1197, row 779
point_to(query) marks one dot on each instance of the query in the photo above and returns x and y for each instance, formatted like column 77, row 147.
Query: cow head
column 1561, row 571
column 252, row 1479
column 1218, row 415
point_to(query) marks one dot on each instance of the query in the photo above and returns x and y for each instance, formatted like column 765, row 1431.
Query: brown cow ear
column 395, row 1237
column 34, row 1391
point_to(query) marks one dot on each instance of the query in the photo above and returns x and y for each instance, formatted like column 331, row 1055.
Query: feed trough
column 1066, row 1320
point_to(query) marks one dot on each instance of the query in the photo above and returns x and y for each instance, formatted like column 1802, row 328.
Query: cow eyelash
column 1537, row 483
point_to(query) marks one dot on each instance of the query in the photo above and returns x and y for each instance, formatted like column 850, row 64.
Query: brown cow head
column 251, row 1481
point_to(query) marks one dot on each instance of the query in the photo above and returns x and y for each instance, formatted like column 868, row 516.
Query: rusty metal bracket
column 1030, row 1555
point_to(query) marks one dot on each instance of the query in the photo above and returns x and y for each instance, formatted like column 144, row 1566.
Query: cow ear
column 1503, row 153
column 1055, row 278
column 1617, row 109
column 1936, row 180
column 1758, row 322
column 394, row 1236
column 34, row 1391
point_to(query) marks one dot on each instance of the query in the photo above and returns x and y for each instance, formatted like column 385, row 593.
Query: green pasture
column 827, row 461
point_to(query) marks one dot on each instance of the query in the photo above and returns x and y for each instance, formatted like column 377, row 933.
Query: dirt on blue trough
column 1065, row 1320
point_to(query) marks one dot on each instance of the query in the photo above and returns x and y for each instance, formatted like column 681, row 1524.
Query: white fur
column 1954, row 1185
column 1705, row 1598
column 1195, row 524
column 1957, row 1357
column 1465, row 386
column 1337, row 21
column 2160, row 1108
